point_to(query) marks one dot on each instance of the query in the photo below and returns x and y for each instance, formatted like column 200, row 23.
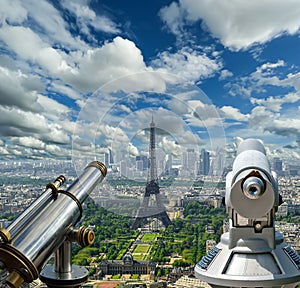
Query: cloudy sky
column 80, row 76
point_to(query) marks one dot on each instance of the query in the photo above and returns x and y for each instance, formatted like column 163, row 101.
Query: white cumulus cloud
column 114, row 59
column 229, row 112
column 238, row 24
column 170, row 146
column 87, row 18
column 275, row 103
column 187, row 64
column 33, row 48
column 29, row 141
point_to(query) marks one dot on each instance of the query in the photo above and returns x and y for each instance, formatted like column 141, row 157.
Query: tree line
column 186, row 237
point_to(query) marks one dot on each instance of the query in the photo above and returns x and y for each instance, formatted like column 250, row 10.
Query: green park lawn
column 149, row 237
column 142, row 249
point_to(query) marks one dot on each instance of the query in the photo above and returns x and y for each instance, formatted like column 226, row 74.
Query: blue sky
column 77, row 77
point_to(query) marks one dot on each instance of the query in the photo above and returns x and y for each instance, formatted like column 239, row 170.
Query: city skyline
column 87, row 80
column 84, row 76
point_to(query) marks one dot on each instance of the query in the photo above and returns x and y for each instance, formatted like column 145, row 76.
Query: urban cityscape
column 22, row 182
column 92, row 196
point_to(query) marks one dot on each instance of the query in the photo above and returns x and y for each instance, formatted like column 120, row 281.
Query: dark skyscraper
column 205, row 162
column 278, row 166
column 106, row 160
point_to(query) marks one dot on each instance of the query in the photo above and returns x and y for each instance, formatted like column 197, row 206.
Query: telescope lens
column 253, row 187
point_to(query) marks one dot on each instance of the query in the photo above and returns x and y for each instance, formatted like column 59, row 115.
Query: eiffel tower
column 157, row 210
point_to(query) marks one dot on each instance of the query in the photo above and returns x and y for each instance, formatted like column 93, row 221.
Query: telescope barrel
column 251, row 182
column 35, row 208
column 46, row 231
column 251, row 155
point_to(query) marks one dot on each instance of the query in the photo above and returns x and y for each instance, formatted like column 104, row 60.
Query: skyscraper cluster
column 191, row 163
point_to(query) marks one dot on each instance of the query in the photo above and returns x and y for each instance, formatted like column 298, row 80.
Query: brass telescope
column 47, row 226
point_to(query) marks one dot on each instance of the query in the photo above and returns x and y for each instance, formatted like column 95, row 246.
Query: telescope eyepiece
column 253, row 187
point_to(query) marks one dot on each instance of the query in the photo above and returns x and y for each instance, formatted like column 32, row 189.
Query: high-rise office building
column 106, row 160
column 278, row 166
column 139, row 165
column 169, row 164
column 123, row 168
column 111, row 157
column 144, row 160
column 204, row 162
column 191, row 160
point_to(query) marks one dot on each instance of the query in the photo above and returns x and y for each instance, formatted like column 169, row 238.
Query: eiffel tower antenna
column 157, row 210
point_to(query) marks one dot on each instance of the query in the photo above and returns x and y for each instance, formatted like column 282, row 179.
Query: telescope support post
column 63, row 258
column 63, row 273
